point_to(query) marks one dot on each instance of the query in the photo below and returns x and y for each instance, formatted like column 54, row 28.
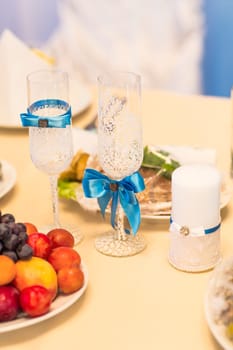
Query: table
column 139, row 302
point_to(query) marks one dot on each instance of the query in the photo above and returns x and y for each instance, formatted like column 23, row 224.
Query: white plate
column 91, row 204
column 80, row 99
column 8, row 178
column 214, row 302
column 60, row 304
column 87, row 141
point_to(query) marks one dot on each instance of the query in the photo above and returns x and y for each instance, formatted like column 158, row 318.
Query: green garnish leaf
column 67, row 189
column 159, row 160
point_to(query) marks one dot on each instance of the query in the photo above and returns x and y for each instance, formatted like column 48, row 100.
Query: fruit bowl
column 60, row 304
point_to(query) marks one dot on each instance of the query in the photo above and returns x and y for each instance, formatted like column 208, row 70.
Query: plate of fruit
column 41, row 273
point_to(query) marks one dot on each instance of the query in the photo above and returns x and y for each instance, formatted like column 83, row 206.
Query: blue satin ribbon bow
column 61, row 121
column 100, row 186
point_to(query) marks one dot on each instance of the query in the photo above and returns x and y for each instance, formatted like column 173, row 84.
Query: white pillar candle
column 195, row 207
column 196, row 195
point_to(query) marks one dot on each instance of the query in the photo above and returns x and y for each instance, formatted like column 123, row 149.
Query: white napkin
column 88, row 142
column 189, row 154
column 17, row 60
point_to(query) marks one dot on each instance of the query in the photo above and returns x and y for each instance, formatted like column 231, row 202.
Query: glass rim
column 111, row 73
column 37, row 73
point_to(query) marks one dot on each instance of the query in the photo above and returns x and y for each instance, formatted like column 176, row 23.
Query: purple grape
column 7, row 218
column 13, row 238
column 11, row 242
column 22, row 237
column 11, row 254
column 5, row 231
column 12, row 226
column 21, row 227
column 24, row 251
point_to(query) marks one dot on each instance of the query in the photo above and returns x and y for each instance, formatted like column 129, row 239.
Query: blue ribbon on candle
column 30, row 119
column 100, row 186
column 205, row 231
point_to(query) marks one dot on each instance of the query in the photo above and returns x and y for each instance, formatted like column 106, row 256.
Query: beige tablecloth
column 133, row 303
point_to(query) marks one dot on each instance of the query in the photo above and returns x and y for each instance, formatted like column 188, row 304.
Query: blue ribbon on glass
column 60, row 121
column 100, row 186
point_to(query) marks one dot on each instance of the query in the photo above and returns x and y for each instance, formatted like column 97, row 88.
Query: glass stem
column 121, row 235
column 53, row 185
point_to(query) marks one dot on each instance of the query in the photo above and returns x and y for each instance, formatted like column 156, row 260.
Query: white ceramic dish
column 92, row 205
column 60, row 304
column 153, row 209
column 8, row 178
column 80, row 99
column 215, row 302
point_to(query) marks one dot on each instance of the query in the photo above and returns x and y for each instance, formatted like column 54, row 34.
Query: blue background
column 217, row 64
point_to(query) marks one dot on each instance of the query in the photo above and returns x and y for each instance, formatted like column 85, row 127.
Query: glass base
column 109, row 244
column 78, row 236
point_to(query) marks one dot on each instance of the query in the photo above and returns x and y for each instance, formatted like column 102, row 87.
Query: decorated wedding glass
column 120, row 153
column 50, row 132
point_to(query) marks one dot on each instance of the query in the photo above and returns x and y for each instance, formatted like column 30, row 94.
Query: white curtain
column 31, row 21
column 160, row 39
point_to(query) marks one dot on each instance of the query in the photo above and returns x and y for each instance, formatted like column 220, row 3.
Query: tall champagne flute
column 120, row 149
column 51, row 145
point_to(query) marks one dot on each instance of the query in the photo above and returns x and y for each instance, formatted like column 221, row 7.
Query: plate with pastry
column 157, row 166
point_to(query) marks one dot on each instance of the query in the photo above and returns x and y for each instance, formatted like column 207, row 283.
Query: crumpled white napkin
column 17, row 60
column 88, row 142
column 189, row 154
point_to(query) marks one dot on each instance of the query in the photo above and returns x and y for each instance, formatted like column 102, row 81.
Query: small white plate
column 8, row 178
column 150, row 209
column 91, row 204
column 60, row 304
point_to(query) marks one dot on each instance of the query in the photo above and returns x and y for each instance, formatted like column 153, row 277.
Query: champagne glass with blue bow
column 120, row 152
column 50, row 131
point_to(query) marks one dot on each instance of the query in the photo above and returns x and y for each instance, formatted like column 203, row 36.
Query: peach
column 35, row 300
column 30, row 228
column 40, row 244
column 36, row 271
column 61, row 238
column 63, row 256
column 8, row 270
column 70, row 279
